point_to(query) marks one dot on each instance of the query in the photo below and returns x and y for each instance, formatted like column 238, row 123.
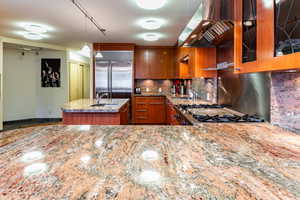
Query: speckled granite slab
column 84, row 105
column 211, row 161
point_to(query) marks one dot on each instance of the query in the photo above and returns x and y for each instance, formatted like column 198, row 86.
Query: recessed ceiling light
column 205, row 23
column 151, row 37
column 151, row 24
column 33, row 36
column 34, row 28
column 194, row 36
column 193, row 24
column 151, row 4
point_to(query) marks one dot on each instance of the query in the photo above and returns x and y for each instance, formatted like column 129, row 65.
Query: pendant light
column 99, row 55
column 86, row 48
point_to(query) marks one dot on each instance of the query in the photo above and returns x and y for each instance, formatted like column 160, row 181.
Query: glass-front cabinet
column 287, row 27
column 249, row 31
column 267, row 35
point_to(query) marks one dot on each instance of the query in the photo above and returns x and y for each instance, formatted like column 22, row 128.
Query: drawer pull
column 141, row 117
column 141, row 110
column 158, row 103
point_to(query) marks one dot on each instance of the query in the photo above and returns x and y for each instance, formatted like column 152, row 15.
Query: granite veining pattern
column 211, row 161
column 84, row 105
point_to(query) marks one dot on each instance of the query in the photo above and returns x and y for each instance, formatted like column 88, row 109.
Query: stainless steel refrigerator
column 114, row 74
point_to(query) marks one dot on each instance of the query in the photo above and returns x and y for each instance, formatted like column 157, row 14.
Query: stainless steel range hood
column 215, row 10
column 212, row 20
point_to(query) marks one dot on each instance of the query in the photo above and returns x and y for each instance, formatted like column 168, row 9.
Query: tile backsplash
column 154, row 85
column 285, row 100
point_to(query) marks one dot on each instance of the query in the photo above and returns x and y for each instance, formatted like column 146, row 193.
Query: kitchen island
column 207, row 161
column 93, row 112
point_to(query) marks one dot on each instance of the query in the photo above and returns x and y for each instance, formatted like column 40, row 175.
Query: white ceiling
column 119, row 17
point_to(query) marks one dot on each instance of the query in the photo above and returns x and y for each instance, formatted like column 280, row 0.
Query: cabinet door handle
column 141, row 110
column 141, row 117
column 157, row 103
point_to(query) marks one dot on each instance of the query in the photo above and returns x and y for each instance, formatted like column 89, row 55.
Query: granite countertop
column 84, row 105
column 209, row 161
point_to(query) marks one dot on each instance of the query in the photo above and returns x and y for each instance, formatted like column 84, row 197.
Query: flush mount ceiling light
column 34, row 28
column 151, row 37
column 151, row 4
column 151, row 24
column 33, row 36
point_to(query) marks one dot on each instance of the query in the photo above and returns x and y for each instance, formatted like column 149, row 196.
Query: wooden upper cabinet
column 267, row 59
column 193, row 62
column 205, row 58
column 154, row 62
column 141, row 63
column 113, row 46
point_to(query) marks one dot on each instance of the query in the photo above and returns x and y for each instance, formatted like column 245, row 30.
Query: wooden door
column 76, row 81
column 86, row 81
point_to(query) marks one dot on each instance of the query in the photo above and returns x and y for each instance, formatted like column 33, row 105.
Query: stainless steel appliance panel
column 246, row 93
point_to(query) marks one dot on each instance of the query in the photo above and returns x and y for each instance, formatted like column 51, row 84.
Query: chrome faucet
column 99, row 97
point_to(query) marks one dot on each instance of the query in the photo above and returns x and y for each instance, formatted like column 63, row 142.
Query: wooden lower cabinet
column 172, row 118
column 149, row 110
column 97, row 118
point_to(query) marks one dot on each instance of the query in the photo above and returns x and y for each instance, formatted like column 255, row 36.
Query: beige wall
column 23, row 95
column 19, row 85
column 50, row 100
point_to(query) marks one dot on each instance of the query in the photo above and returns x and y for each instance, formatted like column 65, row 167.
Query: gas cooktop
column 216, row 114
column 187, row 106
column 227, row 118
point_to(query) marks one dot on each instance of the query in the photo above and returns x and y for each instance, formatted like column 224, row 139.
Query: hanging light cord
column 87, row 15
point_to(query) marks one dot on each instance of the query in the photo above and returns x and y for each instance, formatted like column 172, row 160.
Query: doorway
column 79, row 81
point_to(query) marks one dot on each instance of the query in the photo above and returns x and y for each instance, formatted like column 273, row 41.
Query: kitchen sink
column 103, row 104
column 184, row 98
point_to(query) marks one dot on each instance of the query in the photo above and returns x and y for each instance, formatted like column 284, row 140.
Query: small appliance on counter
column 138, row 90
column 173, row 90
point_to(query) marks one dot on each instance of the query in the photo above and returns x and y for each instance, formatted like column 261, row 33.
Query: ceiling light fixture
column 151, row 37
column 32, row 36
column 248, row 23
column 151, row 24
column 34, row 28
column 194, row 36
column 206, row 23
column 85, row 51
column 99, row 55
column 151, row 4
